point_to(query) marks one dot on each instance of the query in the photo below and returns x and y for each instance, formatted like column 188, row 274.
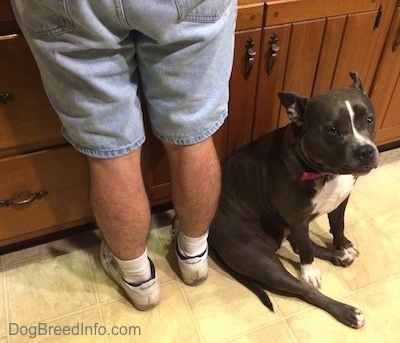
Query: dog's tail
column 245, row 281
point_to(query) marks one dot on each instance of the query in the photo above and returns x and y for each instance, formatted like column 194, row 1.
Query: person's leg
column 89, row 73
column 120, row 204
column 195, row 184
column 185, row 68
column 195, row 187
column 122, row 212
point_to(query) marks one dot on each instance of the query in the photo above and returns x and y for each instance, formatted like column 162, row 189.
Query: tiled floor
column 61, row 285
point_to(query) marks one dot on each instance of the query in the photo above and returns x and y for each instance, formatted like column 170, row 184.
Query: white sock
column 192, row 246
column 135, row 271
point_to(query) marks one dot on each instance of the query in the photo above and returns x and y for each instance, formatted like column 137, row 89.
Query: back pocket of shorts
column 202, row 11
column 45, row 17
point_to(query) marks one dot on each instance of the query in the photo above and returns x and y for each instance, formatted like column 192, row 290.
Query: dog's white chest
column 332, row 193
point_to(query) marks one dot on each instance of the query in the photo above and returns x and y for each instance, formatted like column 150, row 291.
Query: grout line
column 390, row 241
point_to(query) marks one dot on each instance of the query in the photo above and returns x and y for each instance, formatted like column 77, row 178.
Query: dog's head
column 334, row 131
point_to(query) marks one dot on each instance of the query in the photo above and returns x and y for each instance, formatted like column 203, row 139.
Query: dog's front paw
column 310, row 275
column 347, row 256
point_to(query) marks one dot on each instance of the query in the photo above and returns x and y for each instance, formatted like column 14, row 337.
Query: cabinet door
column 313, row 56
column 289, row 66
column 242, row 89
column 385, row 92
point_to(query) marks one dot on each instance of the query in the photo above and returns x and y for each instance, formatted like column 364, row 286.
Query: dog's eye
column 370, row 120
column 333, row 130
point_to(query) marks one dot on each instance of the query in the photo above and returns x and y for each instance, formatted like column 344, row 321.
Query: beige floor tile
column 381, row 302
column 277, row 332
column 389, row 223
column 376, row 255
column 3, row 308
column 50, row 288
column 319, row 326
column 82, row 327
column 394, row 169
column 170, row 321
column 223, row 308
column 377, row 192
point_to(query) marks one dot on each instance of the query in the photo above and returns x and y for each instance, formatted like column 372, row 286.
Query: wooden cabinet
column 44, row 181
column 385, row 93
column 314, row 55
column 305, row 46
column 243, row 83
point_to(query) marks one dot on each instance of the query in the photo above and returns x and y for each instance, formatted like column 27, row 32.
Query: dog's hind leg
column 247, row 253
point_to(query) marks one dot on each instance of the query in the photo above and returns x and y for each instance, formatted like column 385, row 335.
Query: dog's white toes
column 350, row 254
column 360, row 321
column 310, row 274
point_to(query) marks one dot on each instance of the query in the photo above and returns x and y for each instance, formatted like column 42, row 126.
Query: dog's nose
column 365, row 152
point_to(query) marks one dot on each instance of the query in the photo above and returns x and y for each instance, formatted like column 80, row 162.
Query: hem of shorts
column 194, row 140
column 106, row 154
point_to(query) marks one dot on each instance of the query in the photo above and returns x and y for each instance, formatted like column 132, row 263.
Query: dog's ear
column 295, row 106
column 356, row 81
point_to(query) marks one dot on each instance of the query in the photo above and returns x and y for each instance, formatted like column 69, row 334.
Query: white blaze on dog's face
column 357, row 135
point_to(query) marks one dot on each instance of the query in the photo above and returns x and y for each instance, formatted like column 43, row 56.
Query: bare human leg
column 120, row 204
column 195, row 188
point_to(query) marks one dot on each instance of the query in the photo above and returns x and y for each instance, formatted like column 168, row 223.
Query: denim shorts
column 92, row 53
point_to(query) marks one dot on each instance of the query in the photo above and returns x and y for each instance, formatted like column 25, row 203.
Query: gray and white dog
column 275, row 186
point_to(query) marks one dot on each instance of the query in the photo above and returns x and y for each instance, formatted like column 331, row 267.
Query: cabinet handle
column 249, row 58
column 8, row 37
column 396, row 44
column 273, row 53
column 23, row 199
column 6, row 98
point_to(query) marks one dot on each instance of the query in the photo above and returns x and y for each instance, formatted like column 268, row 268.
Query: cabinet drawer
column 283, row 12
column 60, row 179
column 27, row 120
column 250, row 15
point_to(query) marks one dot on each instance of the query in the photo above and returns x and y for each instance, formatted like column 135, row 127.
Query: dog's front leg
column 309, row 272
column 348, row 252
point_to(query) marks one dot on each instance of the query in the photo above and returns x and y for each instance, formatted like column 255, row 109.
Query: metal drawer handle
column 396, row 44
column 251, row 53
column 8, row 37
column 23, row 199
column 273, row 53
column 6, row 97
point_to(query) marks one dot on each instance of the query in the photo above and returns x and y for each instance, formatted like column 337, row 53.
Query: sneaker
column 194, row 270
column 143, row 296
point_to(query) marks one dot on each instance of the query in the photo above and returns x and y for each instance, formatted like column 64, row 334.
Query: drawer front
column 250, row 15
column 27, row 120
column 283, row 12
column 43, row 192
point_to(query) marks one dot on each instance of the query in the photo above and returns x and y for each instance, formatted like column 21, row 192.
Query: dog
column 273, row 187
